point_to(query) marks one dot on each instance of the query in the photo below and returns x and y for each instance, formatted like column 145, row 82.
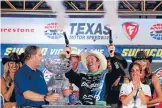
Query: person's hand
column 126, row 79
column 9, row 105
column 67, row 51
column 66, row 92
column 12, row 76
column 111, row 50
column 135, row 84
column 136, row 81
column 52, row 97
column 134, row 91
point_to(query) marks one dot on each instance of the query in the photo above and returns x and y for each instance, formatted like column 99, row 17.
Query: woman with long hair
column 135, row 94
column 11, row 65
column 147, row 77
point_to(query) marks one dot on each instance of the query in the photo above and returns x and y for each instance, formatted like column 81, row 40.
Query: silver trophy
column 58, row 80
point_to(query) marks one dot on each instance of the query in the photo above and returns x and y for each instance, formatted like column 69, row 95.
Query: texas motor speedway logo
column 88, row 31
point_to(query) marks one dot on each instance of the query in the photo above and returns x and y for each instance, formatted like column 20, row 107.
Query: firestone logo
column 156, row 31
column 53, row 31
column 17, row 30
column 131, row 29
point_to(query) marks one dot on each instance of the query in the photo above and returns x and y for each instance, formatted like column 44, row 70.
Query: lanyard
column 135, row 97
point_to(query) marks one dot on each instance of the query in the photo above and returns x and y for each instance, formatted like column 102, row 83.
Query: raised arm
column 124, row 97
column 74, row 77
column 143, row 96
column 158, row 91
column 116, row 68
column 6, row 93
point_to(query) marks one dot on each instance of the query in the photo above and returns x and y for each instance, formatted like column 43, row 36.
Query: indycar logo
column 53, row 31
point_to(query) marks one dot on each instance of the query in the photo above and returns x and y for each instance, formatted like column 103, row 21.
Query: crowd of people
column 105, row 83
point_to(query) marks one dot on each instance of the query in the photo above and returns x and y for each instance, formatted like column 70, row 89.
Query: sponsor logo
column 129, row 52
column 47, row 75
column 53, row 50
column 88, row 31
column 46, row 51
column 20, row 50
column 131, row 29
column 156, row 31
column 19, row 30
column 53, row 31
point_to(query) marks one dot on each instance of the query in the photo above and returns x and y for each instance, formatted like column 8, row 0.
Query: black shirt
column 77, row 79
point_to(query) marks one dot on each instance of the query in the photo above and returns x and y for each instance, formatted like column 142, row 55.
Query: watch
column 45, row 97
column 140, row 89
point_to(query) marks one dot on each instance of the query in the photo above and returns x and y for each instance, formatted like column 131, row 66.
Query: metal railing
column 125, row 7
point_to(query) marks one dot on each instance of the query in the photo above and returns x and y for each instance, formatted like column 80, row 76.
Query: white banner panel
column 81, row 31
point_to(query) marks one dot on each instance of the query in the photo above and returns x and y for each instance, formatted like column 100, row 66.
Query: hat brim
column 107, row 58
column 62, row 55
column 148, row 58
column 5, row 60
column 124, row 63
column 133, row 59
column 21, row 56
column 12, row 57
column 101, row 57
column 120, row 59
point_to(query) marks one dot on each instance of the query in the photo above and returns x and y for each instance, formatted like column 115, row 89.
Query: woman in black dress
column 11, row 65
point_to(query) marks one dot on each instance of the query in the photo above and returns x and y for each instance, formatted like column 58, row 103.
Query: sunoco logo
column 53, row 31
column 156, row 31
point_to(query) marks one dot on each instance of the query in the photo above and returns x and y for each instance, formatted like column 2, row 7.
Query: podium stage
column 75, row 106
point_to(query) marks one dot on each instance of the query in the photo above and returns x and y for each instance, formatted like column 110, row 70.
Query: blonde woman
column 11, row 65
